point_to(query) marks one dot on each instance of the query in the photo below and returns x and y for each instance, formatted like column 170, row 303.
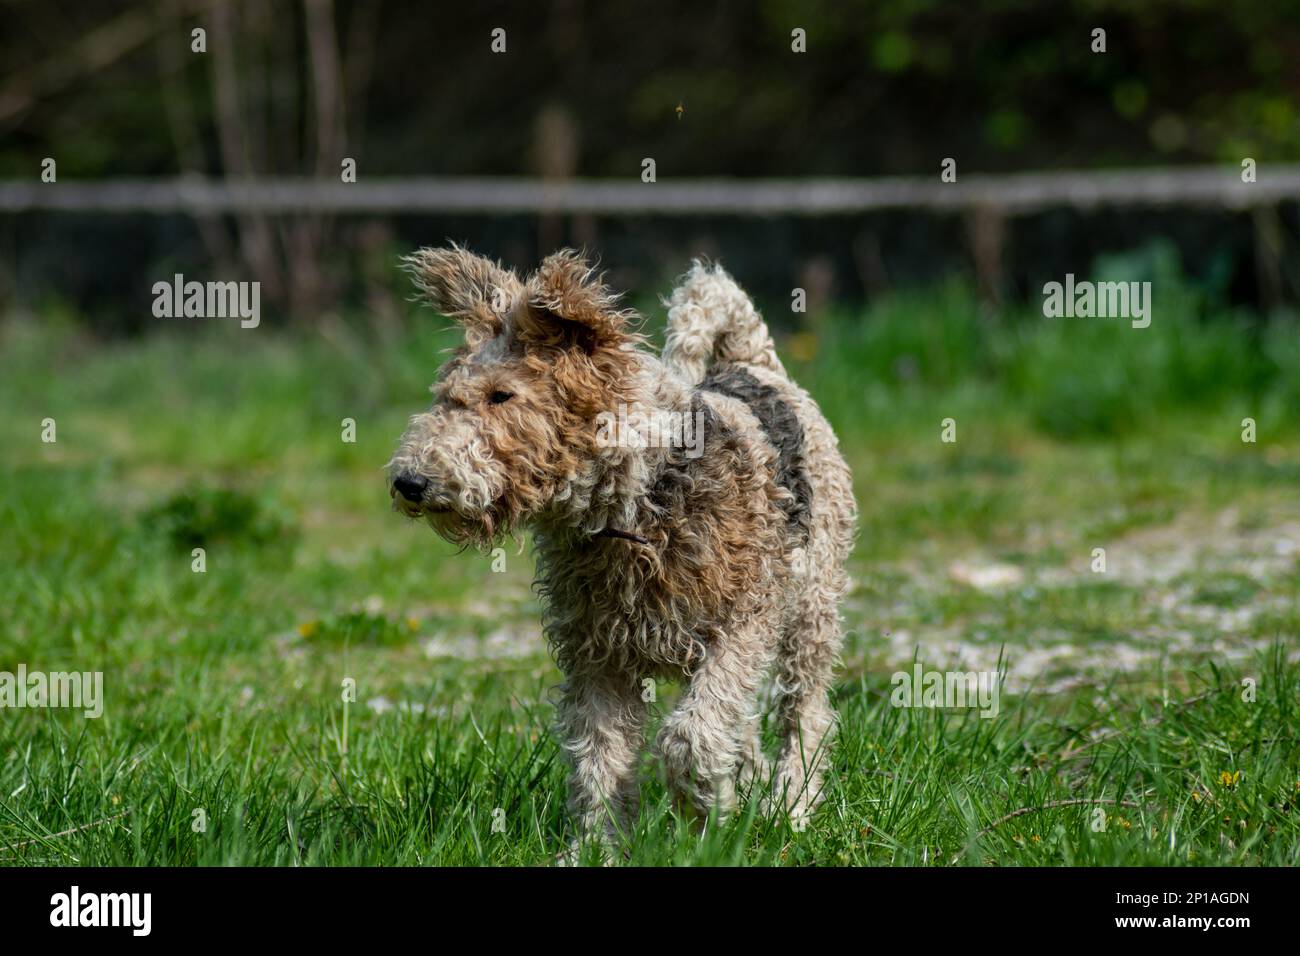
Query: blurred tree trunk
column 186, row 136
column 1267, row 226
column 277, row 113
column 253, row 232
column 986, row 231
column 555, row 147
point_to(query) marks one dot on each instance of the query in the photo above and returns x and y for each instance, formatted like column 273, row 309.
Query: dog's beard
column 482, row 531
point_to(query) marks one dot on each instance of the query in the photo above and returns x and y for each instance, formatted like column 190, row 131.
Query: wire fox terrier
column 715, row 557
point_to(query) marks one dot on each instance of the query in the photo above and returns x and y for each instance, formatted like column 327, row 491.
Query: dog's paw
column 571, row 855
column 602, row 850
column 793, row 798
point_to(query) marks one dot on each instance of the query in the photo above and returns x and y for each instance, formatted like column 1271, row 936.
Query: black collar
column 624, row 535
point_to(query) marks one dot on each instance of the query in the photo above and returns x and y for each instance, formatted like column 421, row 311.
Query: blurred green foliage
column 201, row 516
column 1073, row 378
column 884, row 88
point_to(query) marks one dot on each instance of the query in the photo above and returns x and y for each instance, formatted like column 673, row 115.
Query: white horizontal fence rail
column 1017, row 193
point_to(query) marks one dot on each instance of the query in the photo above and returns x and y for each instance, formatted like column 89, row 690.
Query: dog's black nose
column 410, row 487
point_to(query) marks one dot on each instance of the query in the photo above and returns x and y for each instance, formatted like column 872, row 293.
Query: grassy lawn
column 1122, row 688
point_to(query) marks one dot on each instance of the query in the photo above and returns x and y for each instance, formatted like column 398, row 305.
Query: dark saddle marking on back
column 781, row 425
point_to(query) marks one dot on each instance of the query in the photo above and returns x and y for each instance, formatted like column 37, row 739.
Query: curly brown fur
column 724, row 569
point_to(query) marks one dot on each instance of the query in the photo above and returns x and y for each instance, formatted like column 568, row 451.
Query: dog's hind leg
column 755, row 769
column 806, row 657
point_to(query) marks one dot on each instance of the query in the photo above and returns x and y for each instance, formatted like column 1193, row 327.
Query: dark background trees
column 589, row 89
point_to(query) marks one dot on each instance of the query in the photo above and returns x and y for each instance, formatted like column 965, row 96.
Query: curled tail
column 711, row 319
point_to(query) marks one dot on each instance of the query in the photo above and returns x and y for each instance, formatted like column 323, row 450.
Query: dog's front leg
column 601, row 726
column 703, row 740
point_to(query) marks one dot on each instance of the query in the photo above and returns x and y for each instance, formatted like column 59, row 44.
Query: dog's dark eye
column 497, row 397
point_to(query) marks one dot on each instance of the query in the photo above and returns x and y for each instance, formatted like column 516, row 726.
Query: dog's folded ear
column 474, row 291
column 569, row 304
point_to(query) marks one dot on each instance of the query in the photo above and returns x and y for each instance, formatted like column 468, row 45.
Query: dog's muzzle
column 411, row 487
column 415, row 495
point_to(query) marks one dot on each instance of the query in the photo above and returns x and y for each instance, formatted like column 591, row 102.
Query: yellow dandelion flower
column 803, row 346
column 309, row 628
column 1229, row 779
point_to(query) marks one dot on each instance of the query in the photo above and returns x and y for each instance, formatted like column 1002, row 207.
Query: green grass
column 223, row 688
